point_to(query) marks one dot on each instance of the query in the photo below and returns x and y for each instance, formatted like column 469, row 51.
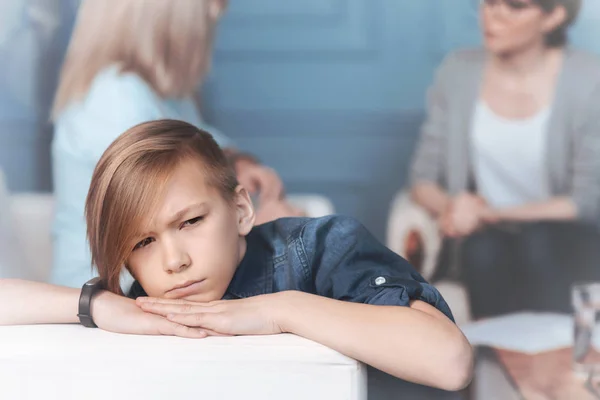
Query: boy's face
column 194, row 242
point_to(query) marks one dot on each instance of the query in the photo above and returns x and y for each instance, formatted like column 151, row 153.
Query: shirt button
column 380, row 281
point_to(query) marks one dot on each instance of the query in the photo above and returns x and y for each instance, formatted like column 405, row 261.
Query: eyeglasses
column 515, row 5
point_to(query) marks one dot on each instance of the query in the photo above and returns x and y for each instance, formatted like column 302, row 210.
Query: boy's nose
column 176, row 259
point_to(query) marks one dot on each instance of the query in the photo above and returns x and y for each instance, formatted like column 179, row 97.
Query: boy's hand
column 121, row 315
column 251, row 316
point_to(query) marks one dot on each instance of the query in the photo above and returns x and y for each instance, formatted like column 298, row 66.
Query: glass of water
column 586, row 343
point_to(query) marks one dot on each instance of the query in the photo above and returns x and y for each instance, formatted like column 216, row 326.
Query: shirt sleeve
column 428, row 159
column 348, row 263
column 585, row 160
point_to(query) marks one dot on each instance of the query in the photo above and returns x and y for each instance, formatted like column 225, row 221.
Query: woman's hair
column 166, row 42
column 558, row 37
column 129, row 182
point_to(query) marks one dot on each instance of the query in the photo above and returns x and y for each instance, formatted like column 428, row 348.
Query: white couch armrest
column 72, row 362
column 32, row 218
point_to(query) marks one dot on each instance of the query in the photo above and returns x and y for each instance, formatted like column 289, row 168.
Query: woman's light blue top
column 114, row 103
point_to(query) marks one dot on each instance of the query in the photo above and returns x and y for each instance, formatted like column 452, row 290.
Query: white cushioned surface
column 32, row 215
column 73, row 362
column 11, row 264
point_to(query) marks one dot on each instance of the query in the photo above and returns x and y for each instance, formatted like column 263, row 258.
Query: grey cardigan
column 573, row 152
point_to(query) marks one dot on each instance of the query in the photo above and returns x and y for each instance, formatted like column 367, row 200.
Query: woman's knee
column 483, row 251
column 558, row 245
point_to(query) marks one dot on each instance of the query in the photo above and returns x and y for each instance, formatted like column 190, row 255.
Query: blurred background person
column 508, row 159
column 130, row 61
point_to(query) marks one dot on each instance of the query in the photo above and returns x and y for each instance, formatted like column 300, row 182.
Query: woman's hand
column 272, row 210
column 259, row 179
column 121, row 315
column 464, row 215
column 264, row 181
column 251, row 316
column 491, row 216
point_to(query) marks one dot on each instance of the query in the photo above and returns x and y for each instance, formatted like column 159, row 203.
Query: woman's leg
column 486, row 263
column 552, row 256
column 542, row 275
column 581, row 255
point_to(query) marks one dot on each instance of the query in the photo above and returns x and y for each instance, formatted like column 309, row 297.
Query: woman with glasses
column 509, row 159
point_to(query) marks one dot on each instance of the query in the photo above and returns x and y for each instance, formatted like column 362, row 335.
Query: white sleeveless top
column 509, row 157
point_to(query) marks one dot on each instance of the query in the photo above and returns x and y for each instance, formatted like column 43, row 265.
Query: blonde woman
column 131, row 61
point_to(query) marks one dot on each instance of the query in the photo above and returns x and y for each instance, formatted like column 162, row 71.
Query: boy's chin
column 202, row 297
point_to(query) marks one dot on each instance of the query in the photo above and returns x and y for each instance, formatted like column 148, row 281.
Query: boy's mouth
column 184, row 289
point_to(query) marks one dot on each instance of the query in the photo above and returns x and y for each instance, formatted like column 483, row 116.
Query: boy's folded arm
column 417, row 343
column 373, row 306
column 25, row 302
column 28, row 303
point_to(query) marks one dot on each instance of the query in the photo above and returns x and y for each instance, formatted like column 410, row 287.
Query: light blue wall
column 329, row 92
column 33, row 38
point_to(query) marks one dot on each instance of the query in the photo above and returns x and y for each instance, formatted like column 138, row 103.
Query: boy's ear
column 245, row 210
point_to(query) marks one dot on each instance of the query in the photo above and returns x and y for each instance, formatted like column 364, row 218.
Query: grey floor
column 385, row 387
column 490, row 382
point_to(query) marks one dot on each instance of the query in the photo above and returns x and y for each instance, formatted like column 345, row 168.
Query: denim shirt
column 334, row 257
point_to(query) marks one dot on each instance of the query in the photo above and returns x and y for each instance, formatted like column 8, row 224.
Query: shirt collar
column 254, row 274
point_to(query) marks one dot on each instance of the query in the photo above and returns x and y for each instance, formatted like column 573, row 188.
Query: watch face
column 92, row 282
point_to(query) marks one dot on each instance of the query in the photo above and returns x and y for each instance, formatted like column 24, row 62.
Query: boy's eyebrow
column 179, row 214
column 174, row 219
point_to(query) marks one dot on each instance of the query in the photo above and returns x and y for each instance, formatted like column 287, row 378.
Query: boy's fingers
column 175, row 329
column 156, row 300
column 214, row 333
column 164, row 309
column 149, row 300
column 204, row 320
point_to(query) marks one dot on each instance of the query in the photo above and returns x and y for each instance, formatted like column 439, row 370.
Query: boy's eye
column 192, row 221
column 517, row 5
column 143, row 243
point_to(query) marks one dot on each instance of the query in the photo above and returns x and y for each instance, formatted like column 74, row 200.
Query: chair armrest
column 413, row 234
column 314, row 205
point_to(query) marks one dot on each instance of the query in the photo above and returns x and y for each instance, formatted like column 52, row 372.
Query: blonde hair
column 130, row 179
column 166, row 42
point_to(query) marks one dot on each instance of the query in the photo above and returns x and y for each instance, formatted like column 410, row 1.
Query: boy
column 165, row 204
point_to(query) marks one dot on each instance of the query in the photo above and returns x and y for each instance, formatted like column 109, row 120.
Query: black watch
column 88, row 291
